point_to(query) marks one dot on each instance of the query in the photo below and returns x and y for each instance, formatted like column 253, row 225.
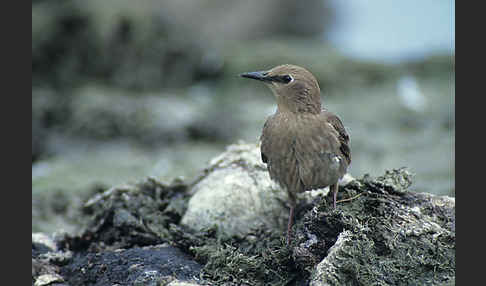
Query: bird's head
column 295, row 88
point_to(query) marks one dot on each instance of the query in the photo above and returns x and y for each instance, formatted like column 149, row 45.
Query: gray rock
column 107, row 114
column 48, row 279
column 135, row 214
column 151, row 265
column 44, row 239
column 47, row 260
column 236, row 194
column 384, row 237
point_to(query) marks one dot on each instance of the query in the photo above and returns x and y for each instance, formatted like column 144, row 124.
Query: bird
column 304, row 146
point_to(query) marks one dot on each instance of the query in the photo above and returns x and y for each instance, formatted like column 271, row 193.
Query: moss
column 133, row 215
column 264, row 261
column 376, row 251
column 387, row 242
column 383, row 236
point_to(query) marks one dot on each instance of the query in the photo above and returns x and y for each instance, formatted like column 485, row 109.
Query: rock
column 379, row 233
column 48, row 279
column 123, row 241
column 133, row 214
column 107, row 114
column 152, row 233
column 47, row 260
column 385, row 236
column 102, row 113
column 150, row 265
column 43, row 241
column 236, row 194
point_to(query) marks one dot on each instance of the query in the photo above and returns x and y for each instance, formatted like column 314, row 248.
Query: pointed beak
column 258, row 75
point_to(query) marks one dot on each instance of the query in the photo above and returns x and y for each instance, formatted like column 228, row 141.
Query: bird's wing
column 322, row 151
column 343, row 135
column 265, row 139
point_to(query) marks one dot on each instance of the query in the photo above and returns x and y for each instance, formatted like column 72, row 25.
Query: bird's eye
column 286, row 78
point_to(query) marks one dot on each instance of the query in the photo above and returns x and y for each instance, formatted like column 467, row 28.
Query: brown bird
column 305, row 147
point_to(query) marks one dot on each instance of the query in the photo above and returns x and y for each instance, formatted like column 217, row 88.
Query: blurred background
column 126, row 89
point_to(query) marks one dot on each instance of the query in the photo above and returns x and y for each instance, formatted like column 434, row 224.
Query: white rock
column 237, row 194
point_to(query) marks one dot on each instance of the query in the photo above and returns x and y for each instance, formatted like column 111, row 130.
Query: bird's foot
column 290, row 224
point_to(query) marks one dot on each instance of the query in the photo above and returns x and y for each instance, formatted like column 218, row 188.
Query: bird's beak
column 258, row 75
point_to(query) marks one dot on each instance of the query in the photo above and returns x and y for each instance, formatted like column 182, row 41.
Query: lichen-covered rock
column 380, row 233
column 386, row 236
column 134, row 214
column 236, row 195
column 152, row 233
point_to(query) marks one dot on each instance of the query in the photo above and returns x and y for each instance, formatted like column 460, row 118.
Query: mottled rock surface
column 386, row 236
column 147, row 234
column 236, row 194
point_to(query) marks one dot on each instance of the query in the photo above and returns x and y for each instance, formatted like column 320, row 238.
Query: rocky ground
column 200, row 232
column 131, row 183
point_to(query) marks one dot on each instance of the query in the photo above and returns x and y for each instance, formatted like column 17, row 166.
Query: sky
column 393, row 30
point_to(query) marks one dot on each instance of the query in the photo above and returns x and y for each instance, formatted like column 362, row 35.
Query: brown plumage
column 305, row 147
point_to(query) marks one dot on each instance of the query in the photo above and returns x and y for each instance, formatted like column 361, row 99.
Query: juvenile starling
column 303, row 146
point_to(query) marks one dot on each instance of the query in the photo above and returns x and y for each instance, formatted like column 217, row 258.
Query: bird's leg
column 291, row 219
column 335, row 187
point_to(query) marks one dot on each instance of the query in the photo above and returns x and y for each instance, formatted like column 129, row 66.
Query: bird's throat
column 298, row 105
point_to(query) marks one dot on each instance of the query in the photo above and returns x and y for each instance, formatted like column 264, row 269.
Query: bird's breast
column 302, row 151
